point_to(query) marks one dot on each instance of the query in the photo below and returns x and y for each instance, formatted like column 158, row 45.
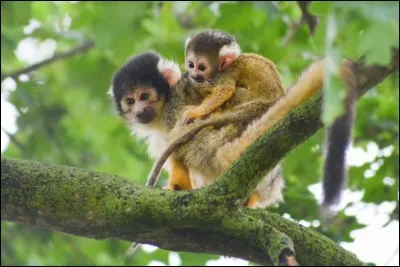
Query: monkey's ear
column 187, row 42
column 110, row 92
column 169, row 70
column 227, row 54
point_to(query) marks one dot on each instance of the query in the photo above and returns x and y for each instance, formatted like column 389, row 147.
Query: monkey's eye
column 202, row 67
column 130, row 100
column 144, row 96
column 191, row 65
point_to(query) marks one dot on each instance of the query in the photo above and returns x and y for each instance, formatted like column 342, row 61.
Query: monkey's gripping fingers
column 188, row 115
column 210, row 104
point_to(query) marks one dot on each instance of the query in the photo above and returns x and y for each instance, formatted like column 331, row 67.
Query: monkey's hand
column 188, row 115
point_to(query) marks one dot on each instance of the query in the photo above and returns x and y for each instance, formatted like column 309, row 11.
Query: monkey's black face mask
column 146, row 115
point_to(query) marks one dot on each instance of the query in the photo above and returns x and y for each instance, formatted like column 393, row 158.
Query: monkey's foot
column 253, row 200
column 287, row 259
column 172, row 187
column 168, row 187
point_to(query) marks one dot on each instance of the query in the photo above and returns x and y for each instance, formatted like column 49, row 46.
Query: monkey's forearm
column 219, row 96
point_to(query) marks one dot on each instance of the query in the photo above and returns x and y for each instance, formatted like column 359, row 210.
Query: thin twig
column 294, row 27
column 79, row 49
column 306, row 18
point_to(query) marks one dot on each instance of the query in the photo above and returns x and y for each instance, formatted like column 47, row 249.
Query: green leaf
column 378, row 50
column 320, row 8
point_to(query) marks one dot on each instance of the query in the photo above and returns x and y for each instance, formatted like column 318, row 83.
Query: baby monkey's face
column 201, row 67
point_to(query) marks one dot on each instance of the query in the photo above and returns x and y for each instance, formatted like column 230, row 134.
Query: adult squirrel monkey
column 143, row 85
column 205, row 158
column 149, row 94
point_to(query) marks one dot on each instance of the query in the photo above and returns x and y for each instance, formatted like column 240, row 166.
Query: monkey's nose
column 146, row 115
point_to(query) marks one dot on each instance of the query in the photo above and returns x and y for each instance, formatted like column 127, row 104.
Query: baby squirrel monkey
column 216, row 68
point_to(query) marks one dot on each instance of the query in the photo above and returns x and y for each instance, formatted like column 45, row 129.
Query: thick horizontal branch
column 79, row 49
column 98, row 205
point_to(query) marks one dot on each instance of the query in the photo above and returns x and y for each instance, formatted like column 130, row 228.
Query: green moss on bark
column 98, row 205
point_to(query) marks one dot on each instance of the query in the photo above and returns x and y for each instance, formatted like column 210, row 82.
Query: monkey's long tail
column 337, row 141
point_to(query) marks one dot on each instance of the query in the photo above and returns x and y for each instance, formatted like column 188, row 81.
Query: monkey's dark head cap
column 210, row 40
column 140, row 70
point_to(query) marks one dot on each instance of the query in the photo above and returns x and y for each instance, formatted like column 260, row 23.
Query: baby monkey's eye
column 202, row 67
column 130, row 100
column 191, row 65
column 144, row 96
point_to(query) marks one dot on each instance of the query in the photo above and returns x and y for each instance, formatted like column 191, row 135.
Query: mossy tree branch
column 97, row 205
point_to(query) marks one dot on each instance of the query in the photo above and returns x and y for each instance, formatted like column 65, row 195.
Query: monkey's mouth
column 145, row 117
column 203, row 83
column 145, row 120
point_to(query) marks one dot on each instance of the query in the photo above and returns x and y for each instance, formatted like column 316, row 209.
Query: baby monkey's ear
column 227, row 54
column 187, row 41
column 169, row 70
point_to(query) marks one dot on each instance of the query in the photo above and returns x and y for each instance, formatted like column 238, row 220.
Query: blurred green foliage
column 66, row 118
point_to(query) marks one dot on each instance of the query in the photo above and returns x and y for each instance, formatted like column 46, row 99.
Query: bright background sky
column 373, row 243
